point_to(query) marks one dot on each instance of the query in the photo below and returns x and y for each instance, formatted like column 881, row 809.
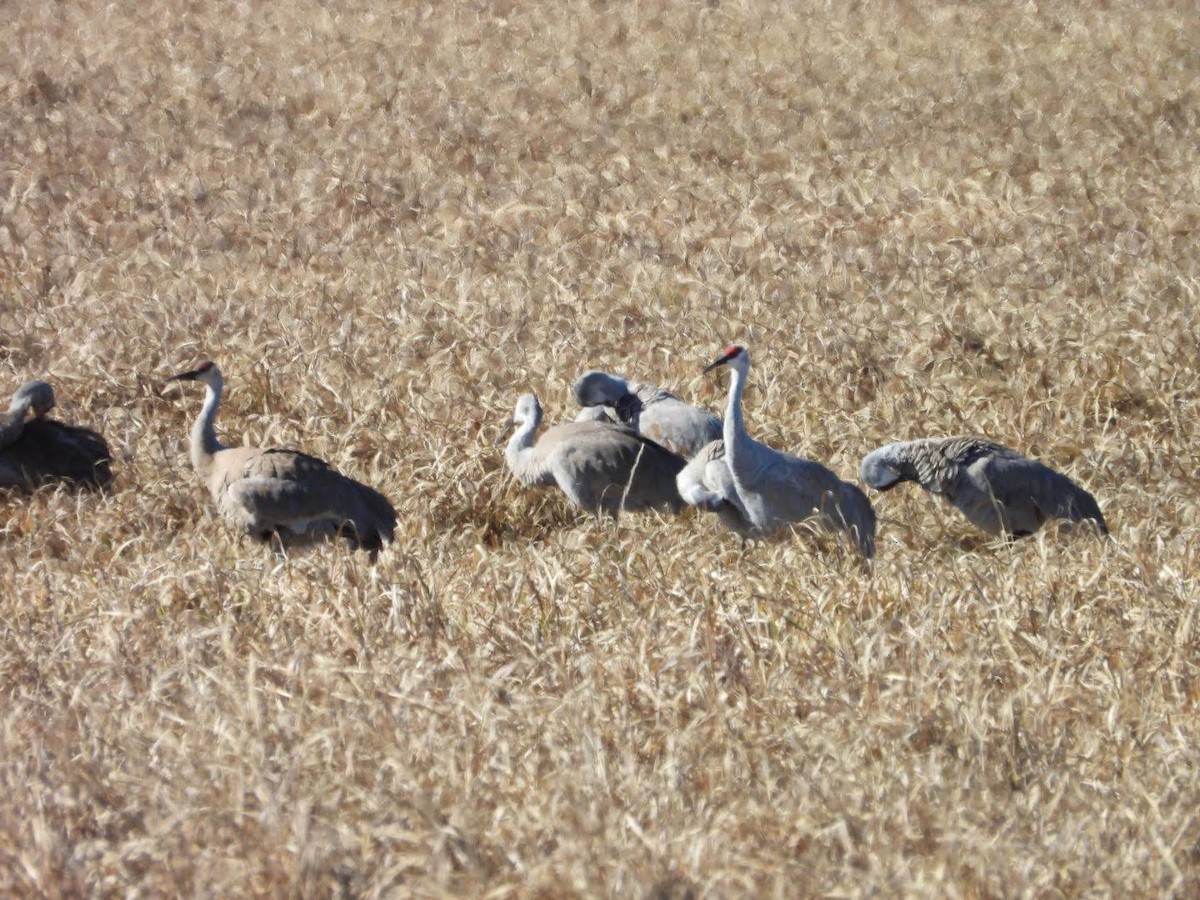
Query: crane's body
column 999, row 490
column 601, row 467
column 35, row 450
column 651, row 411
column 763, row 489
column 276, row 493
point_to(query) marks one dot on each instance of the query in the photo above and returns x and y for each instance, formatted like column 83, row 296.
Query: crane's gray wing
column 706, row 482
column 793, row 489
column 1029, row 492
column 611, row 467
column 854, row 513
column 700, row 482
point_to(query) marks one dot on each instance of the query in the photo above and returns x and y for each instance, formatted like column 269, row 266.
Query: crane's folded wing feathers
column 1031, row 492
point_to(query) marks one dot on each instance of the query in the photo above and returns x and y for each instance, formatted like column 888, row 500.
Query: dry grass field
column 386, row 221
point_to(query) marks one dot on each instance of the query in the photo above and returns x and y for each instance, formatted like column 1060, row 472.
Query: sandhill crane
column 649, row 410
column 273, row 493
column 600, row 467
column 762, row 490
column 35, row 450
column 997, row 489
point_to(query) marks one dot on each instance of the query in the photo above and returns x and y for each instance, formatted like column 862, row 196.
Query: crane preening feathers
column 999, row 491
column 757, row 490
column 656, row 413
column 273, row 493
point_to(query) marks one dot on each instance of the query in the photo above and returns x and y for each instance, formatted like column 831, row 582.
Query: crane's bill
column 508, row 426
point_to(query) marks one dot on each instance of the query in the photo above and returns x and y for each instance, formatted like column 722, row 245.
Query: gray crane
column 600, row 467
column 35, row 450
column 757, row 490
column 997, row 489
column 278, row 494
column 649, row 410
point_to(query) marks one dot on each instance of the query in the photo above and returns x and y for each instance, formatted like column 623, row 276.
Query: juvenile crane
column 35, row 450
column 600, row 467
column 273, row 493
column 649, row 410
column 758, row 490
column 997, row 489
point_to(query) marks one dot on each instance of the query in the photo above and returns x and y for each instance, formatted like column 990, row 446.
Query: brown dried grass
column 388, row 220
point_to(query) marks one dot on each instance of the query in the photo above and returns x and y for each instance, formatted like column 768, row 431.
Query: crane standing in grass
column 648, row 410
column 600, row 467
column 286, row 495
column 757, row 490
column 997, row 489
column 35, row 450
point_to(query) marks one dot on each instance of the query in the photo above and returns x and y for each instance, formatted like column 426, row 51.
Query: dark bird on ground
column 36, row 450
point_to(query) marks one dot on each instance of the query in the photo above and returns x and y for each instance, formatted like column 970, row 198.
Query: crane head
column 596, row 388
column 881, row 469
column 36, row 396
column 206, row 371
column 528, row 409
column 728, row 355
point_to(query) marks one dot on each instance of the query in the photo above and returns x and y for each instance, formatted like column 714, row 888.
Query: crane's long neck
column 205, row 445
column 736, row 439
column 520, row 454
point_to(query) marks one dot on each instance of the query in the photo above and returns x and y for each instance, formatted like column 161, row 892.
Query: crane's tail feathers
column 653, row 478
column 1084, row 506
column 379, row 523
column 857, row 517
